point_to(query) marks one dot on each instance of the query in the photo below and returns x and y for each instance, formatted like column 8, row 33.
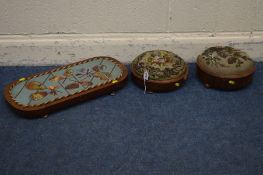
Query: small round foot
column 113, row 93
column 207, row 85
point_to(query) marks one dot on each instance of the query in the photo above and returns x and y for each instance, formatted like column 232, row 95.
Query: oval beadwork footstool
column 42, row 93
column 159, row 71
column 225, row 68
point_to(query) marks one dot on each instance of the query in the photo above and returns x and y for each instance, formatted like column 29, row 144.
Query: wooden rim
column 211, row 81
column 182, row 76
column 161, row 86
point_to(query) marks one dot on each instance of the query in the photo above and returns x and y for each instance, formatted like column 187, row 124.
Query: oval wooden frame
column 42, row 110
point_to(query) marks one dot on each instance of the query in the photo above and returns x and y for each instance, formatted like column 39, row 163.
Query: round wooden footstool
column 159, row 71
column 225, row 68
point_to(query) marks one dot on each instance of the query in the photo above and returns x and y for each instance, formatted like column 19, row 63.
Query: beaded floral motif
column 63, row 82
column 160, row 64
column 225, row 57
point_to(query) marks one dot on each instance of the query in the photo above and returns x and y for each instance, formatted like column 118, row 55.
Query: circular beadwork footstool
column 225, row 68
column 159, row 71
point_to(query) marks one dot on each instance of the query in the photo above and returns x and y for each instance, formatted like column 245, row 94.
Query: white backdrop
column 117, row 16
column 40, row 32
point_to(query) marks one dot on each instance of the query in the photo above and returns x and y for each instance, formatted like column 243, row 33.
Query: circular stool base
column 223, row 83
column 154, row 86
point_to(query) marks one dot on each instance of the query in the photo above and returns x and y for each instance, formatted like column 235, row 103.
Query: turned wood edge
column 160, row 86
column 211, row 81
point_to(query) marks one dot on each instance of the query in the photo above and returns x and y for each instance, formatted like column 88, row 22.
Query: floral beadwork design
column 225, row 56
column 160, row 64
column 65, row 81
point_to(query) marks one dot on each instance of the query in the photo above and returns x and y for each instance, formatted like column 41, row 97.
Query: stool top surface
column 62, row 82
column 160, row 64
column 225, row 62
